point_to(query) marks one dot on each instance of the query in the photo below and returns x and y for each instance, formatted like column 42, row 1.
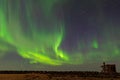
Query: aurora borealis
column 60, row 32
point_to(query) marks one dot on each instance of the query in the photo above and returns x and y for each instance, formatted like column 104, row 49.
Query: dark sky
column 59, row 35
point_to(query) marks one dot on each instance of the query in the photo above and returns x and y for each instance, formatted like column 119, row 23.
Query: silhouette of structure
column 108, row 68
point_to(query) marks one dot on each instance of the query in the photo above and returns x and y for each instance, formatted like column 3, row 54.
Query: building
column 108, row 68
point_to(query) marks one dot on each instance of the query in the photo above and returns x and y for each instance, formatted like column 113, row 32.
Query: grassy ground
column 45, row 77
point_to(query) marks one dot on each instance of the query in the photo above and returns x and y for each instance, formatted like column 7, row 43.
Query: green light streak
column 39, row 40
column 35, row 46
column 95, row 44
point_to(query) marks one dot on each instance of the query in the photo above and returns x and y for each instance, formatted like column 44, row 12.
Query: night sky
column 59, row 35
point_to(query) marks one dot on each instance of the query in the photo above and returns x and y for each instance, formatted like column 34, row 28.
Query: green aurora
column 39, row 40
column 38, row 45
